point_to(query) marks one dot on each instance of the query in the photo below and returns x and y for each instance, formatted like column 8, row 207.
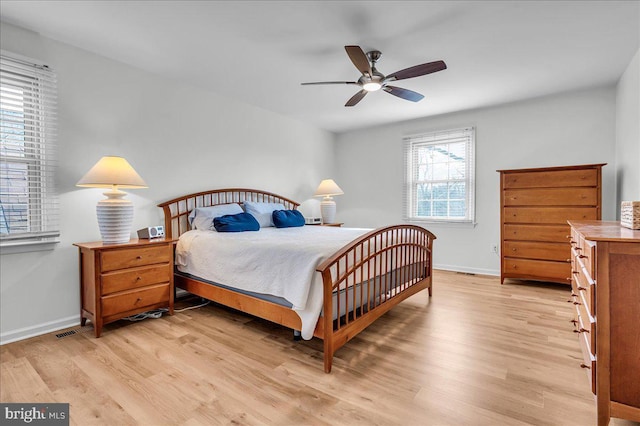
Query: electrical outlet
column 494, row 248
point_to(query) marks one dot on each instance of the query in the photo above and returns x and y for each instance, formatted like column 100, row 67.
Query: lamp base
column 115, row 218
column 328, row 210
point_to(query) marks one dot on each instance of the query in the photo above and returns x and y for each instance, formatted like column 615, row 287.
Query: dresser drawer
column 589, row 259
column 135, row 299
column 135, row 278
column 537, row 250
column 586, row 323
column 557, row 215
column 589, row 361
column 537, row 269
column 549, row 233
column 551, row 197
column 127, row 258
column 551, row 179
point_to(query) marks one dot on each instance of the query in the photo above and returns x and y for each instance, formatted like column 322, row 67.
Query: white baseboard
column 457, row 268
column 37, row 330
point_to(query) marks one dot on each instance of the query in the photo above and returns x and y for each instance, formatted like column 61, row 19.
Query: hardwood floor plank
column 477, row 353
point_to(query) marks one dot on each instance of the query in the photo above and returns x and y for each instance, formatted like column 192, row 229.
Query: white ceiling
column 260, row 51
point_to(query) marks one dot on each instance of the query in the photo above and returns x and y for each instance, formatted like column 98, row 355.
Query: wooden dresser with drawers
column 535, row 205
column 119, row 280
column 605, row 291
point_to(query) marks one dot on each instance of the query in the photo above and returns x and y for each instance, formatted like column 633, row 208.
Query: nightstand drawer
column 139, row 256
column 131, row 300
column 135, row 278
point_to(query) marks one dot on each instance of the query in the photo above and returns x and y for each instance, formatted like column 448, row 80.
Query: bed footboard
column 370, row 276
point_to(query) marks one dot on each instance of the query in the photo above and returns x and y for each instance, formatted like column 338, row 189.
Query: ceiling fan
column 372, row 80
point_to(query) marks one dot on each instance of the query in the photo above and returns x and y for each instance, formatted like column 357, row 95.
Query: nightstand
column 119, row 280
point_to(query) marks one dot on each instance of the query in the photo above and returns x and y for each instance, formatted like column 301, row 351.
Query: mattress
column 276, row 262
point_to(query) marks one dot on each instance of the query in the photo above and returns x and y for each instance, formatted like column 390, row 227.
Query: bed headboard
column 176, row 211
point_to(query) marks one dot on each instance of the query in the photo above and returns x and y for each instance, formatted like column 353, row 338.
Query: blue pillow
column 236, row 223
column 287, row 218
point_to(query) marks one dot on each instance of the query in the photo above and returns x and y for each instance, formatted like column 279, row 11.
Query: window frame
column 29, row 92
column 438, row 138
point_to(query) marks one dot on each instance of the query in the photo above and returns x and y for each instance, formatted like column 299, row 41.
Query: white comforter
column 279, row 262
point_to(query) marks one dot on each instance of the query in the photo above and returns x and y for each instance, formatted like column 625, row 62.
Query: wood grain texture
column 535, row 205
column 479, row 353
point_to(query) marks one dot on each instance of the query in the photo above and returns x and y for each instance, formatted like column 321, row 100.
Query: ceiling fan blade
column 356, row 98
column 417, row 71
column 359, row 59
column 329, row 82
column 407, row 94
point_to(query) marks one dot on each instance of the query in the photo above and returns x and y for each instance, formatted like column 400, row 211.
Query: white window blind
column 440, row 176
column 28, row 200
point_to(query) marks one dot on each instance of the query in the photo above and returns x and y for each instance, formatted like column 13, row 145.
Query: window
column 439, row 176
column 28, row 201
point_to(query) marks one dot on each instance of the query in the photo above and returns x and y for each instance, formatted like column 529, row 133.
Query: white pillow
column 202, row 217
column 263, row 211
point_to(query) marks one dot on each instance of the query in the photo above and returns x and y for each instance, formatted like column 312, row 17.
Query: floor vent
column 84, row 329
column 65, row 334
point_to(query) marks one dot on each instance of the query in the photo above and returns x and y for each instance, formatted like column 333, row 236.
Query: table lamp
column 115, row 214
column 327, row 189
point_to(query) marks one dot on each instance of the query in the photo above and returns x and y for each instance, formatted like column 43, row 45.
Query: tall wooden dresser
column 605, row 291
column 535, row 205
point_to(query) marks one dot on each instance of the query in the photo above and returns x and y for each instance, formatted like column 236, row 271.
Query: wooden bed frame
column 383, row 268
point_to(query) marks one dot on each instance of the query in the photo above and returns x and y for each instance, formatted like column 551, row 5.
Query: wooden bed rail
column 361, row 282
column 368, row 277
column 176, row 211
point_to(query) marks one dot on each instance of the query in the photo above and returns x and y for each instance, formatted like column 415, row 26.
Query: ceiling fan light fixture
column 372, row 86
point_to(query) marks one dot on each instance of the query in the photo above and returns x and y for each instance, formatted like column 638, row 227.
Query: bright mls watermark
column 40, row 414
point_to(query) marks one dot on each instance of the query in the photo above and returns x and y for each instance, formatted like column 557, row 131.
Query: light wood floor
column 476, row 353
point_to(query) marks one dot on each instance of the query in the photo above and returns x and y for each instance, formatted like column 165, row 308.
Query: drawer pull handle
column 577, row 248
column 574, row 322
column 581, row 256
column 138, row 278
column 575, row 272
column 581, row 288
column 139, row 299
column 571, row 241
column 583, row 330
column 138, row 257
column 577, row 303
column 583, row 365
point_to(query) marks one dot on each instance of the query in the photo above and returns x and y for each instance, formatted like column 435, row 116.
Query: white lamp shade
column 110, row 171
column 115, row 214
column 328, row 188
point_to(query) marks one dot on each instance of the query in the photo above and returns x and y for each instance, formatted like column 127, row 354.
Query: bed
column 362, row 276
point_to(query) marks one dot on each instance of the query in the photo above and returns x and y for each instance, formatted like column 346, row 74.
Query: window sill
column 27, row 246
column 446, row 223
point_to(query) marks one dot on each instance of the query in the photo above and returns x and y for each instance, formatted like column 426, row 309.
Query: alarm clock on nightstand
column 151, row 232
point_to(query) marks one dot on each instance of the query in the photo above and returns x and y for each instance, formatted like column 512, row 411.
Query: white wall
column 628, row 133
column 566, row 129
column 179, row 138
